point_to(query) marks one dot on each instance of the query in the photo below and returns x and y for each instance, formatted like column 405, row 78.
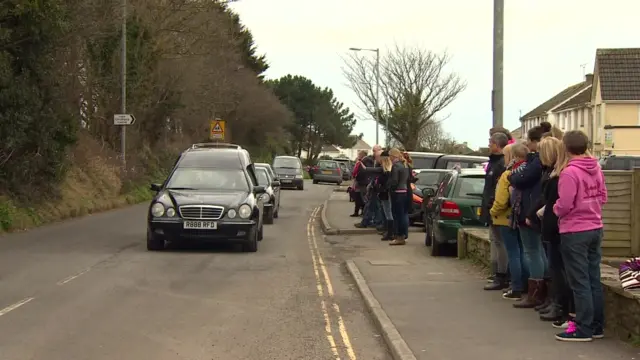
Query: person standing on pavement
column 372, row 213
column 358, row 186
column 581, row 195
column 501, row 213
column 553, row 157
column 399, row 178
column 527, row 188
column 495, row 168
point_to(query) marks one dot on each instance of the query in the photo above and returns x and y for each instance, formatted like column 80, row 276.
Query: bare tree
column 415, row 88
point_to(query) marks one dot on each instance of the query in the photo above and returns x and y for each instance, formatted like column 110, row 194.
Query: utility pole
column 123, row 74
column 498, row 62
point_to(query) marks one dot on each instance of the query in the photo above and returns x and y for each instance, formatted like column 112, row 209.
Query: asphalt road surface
column 87, row 289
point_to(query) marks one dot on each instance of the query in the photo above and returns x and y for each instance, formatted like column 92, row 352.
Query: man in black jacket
column 371, row 216
column 495, row 168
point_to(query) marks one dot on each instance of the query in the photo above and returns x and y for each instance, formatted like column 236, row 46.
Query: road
column 87, row 289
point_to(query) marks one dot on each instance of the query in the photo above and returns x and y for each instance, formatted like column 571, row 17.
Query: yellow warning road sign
column 217, row 130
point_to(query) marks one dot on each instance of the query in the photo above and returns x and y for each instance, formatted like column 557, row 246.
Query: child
column 582, row 193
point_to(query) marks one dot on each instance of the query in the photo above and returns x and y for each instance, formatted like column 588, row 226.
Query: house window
column 569, row 120
column 598, row 122
column 638, row 114
column 581, row 111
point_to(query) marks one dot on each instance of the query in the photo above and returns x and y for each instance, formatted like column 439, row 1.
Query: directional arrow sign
column 123, row 119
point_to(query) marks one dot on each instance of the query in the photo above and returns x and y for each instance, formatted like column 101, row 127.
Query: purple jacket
column 582, row 193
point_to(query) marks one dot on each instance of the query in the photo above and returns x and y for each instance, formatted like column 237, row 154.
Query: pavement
column 335, row 217
column 436, row 309
column 87, row 289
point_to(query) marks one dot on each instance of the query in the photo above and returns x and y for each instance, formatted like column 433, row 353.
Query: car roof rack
column 216, row 145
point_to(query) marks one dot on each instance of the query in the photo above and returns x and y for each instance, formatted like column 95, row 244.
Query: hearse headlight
column 244, row 211
column 265, row 197
column 299, row 176
column 231, row 213
column 157, row 210
column 171, row 212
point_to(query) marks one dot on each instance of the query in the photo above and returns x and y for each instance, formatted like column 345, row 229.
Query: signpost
column 123, row 119
column 216, row 130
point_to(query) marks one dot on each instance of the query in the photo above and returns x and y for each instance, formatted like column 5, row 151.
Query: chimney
column 588, row 78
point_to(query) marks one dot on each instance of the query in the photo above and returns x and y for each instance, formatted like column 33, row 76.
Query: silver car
column 328, row 172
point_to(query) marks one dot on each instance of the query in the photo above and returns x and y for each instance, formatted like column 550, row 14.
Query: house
column 547, row 111
column 615, row 98
column 352, row 152
column 329, row 150
column 516, row 134
column 575, row 114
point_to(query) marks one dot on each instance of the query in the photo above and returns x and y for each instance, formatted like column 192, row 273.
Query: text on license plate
column 200, row 225
column 286, row 181
column 327, row 172
column 478, row 210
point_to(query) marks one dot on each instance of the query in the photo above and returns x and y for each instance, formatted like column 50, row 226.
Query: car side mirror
column 275, row 183
column 428, row 192
column 155, row 187
column 259, row 189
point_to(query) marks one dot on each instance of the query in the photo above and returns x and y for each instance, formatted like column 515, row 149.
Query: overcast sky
column 546, row 42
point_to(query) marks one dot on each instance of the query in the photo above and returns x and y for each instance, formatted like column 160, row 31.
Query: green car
column 456, row 203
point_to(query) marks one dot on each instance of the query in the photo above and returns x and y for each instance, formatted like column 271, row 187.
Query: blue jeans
column 400, row 215
column 582, row 254
column 386, row 209
column 517, row 265
column 372, row 215
column 535, row 258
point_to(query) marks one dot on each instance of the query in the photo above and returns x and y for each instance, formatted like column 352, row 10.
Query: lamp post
column 377, row 51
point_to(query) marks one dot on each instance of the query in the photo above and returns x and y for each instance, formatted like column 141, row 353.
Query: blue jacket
column 527, row 181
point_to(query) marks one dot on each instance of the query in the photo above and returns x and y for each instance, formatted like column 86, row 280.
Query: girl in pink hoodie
column 582, row 193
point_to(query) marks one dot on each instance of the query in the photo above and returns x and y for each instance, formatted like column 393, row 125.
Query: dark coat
column 528, row 182
column 550, row 230
column 495, row 169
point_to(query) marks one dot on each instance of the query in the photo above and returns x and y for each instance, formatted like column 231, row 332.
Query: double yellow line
column 323, row 280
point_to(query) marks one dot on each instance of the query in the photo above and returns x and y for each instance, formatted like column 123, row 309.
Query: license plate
column 200, row 225
column 478, row 210
column 327, row 172
column 286, row 181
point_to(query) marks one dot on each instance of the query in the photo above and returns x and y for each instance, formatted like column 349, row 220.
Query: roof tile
column 619, row 73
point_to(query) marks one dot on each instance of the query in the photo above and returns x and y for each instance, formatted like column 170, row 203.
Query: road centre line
column 315, row 252
column 72, row 277
column 14, row 306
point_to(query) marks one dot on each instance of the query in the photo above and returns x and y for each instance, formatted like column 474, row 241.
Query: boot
column 544, row 307
column 382, row 229
column 535, row 290
column 399, row 240
column 499, row 283
column 548, row 299
column 554, row 314
column 389, row 235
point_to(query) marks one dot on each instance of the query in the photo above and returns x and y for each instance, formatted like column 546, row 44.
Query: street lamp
column 377, row 51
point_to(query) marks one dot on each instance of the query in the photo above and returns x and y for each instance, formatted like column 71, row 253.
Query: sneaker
column 490, row 278
column 506, row 290
column 572, row 334
column 560, row 324
column 598, row 333
column 512, row 295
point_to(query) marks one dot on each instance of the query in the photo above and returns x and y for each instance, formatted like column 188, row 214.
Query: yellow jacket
column 501, row 209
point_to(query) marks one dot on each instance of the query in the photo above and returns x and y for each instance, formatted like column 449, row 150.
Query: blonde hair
column 549, row 149
column 507, row 151
column 398, row 155
column 519, row 150
column 386, row 163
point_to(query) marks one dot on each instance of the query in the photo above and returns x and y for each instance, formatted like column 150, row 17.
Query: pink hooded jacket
column 582, row 193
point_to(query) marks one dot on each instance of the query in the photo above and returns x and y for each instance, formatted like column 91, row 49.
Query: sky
column 546, row 45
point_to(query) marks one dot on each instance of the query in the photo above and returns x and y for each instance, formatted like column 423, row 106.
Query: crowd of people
column 543, row 202
column 382, row 192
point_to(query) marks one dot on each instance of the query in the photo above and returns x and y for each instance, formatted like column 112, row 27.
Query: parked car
column 328, row 172
column 425, row 178
column 619, row 162
column 455, row 203
column 346, row 174
column 269, row 170
column 424, row 160
column 289, row 172
column 271, row 198
column 211, row 195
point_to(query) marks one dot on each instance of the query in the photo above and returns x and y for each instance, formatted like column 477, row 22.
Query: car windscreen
column 469, row 187
column 263, row 178
column 328, row 165
column 423, row 162
column 429, row 178
column 208, row 179
column 287, row 163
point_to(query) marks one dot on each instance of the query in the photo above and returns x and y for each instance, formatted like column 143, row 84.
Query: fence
column 621, row 214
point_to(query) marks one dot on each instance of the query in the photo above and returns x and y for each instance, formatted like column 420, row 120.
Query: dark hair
column 500, row 139
column 546, row 126
column 501, row 130
column 576, row 142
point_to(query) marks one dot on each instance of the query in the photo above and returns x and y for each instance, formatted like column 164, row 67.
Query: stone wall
column 622, row 308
